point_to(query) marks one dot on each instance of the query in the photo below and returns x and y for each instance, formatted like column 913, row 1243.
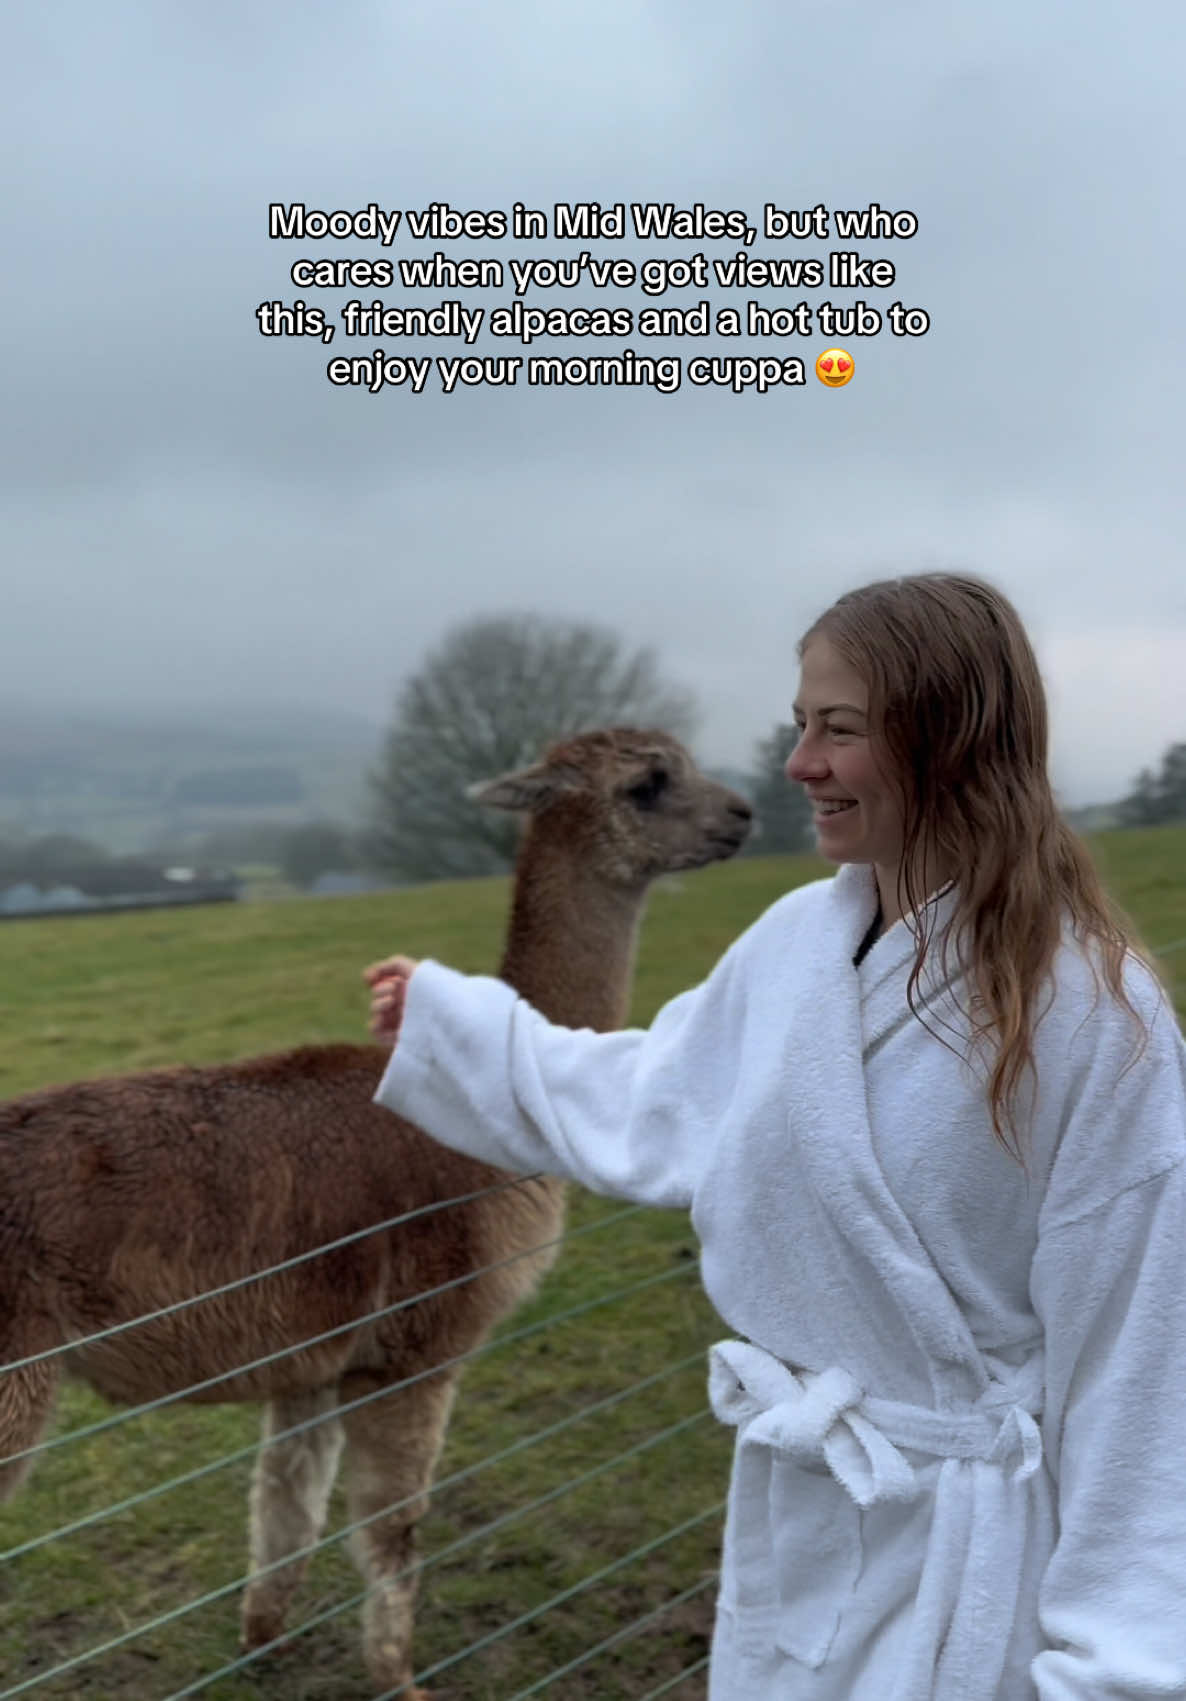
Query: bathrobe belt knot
column 796, row 1540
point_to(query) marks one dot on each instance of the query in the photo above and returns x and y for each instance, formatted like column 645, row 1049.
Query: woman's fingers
column 389, row 968
column 386, row 1015
column 389, row 983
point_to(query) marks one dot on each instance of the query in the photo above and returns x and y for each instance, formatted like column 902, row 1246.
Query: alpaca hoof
column 389, row 1668
column 259, row 1629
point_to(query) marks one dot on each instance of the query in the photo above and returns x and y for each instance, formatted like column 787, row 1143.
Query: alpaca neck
column 571, row 940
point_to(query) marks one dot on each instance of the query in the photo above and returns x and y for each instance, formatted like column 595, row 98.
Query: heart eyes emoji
column 834, row 368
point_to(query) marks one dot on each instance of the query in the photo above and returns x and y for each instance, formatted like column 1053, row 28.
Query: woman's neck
column 887, row 880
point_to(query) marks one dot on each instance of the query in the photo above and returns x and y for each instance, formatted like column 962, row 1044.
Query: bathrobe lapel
column 852, row 1011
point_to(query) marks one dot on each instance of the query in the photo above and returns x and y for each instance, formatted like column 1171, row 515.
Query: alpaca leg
column 290, row 1492
column 26, row 1399
column 392, row 1446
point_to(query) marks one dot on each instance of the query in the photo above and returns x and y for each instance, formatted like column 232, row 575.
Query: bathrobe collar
column 827, row 1111
column 887, row 965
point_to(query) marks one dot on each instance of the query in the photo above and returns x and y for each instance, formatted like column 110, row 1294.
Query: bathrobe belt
column 794, row 1544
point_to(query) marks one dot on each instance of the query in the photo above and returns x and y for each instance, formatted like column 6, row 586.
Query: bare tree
column 495, row 692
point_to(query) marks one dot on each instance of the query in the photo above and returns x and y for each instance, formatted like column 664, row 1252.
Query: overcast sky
column 193, row 513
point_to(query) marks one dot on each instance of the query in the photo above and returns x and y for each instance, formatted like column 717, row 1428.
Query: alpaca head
column 631, row 804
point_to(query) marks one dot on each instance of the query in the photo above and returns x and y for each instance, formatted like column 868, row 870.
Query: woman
column 930, row 1119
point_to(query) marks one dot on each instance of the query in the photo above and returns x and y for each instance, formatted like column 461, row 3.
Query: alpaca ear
column 530, row 789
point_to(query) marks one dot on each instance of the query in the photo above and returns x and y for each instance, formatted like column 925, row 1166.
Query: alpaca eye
column 648, row 792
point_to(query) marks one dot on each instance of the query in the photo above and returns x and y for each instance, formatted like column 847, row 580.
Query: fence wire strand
column 182, row 1394
column 271, row 1270
column 254, row 1447
column 622, row 1635
column 456, row 1546
column 680, row 1677
column 226, row 1589
column 565, row 1595
column 102, row 1335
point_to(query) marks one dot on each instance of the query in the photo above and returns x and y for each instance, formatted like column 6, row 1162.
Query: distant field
column 121, row 777
column 107, row 994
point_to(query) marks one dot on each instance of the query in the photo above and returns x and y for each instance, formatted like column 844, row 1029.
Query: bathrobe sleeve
column 628, row 1114
column 1109, row 1285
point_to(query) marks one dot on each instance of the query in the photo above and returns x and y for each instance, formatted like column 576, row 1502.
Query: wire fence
column 78, row 1669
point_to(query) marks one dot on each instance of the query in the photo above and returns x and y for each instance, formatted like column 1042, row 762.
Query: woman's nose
column 802, row 762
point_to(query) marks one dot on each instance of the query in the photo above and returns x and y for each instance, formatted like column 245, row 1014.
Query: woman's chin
column 830, row 848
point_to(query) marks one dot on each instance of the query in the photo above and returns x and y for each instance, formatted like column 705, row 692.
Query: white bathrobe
column 960, row 1394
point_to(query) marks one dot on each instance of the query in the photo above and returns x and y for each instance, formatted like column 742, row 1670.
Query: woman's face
column 834, row 761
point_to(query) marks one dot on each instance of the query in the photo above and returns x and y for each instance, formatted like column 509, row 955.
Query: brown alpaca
column 119, row 1197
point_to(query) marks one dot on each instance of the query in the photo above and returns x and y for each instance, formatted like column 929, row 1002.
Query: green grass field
column 108, row 994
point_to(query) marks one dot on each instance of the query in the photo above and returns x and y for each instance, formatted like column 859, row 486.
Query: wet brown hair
column 957, row 712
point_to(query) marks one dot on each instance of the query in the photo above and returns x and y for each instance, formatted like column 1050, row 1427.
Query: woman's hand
column 388, row 982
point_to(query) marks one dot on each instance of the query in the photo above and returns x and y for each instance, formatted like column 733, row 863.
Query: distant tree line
column 61, row 872
column 1157, row 798
column 782, row 810
column 47, row 858
column 301, row 853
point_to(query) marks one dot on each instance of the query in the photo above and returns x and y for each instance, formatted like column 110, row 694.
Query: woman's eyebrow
column 797, row 709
